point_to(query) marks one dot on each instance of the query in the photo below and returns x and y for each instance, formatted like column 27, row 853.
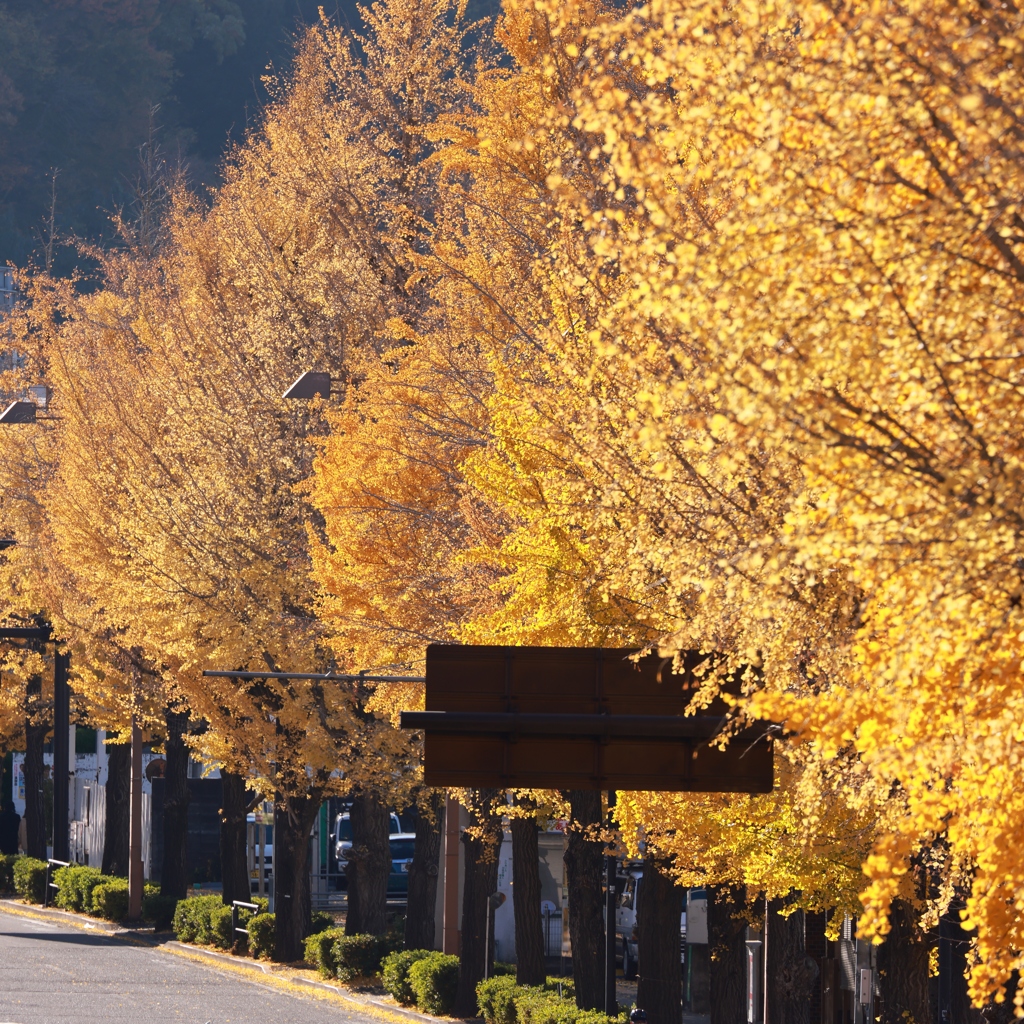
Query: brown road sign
column 578, row 718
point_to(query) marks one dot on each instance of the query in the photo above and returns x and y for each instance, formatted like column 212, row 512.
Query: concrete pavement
column 55, row 974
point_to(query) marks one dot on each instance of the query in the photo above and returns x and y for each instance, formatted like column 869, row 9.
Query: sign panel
column 578, row 718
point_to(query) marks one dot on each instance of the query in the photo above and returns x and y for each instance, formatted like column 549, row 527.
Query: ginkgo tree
column 821, row 242
column 172, row 490
column 545, row 489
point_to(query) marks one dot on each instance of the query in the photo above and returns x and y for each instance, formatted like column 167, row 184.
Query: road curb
column 91, row 924
column 287, row 977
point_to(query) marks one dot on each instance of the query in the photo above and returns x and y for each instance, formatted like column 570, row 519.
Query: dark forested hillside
column 79, row 81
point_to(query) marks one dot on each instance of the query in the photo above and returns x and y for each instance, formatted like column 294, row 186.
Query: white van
column 343, row 836
column 625, row 921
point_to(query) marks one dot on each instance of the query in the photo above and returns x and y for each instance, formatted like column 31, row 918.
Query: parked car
column 402, row 844
column 343, row 836
column 625, row 922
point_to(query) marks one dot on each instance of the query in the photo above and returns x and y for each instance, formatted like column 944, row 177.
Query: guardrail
column 49, row 875
column 234, row 915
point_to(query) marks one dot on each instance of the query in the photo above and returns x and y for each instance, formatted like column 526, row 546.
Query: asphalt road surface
column 51, row 974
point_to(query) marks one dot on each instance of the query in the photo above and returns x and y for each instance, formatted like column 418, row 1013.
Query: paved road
column 51, row 974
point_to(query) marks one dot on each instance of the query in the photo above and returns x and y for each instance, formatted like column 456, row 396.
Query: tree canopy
column 691, row 326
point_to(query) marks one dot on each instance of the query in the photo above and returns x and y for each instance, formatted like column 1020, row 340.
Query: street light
column 311, row 384
column 24, row 410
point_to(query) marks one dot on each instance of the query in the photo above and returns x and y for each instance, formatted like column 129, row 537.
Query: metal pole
column 135, row 827
column 261, row 838
column 764, row 967
column 61, row 754
column 487, row 940
column 450, row 931
column 610, row 1002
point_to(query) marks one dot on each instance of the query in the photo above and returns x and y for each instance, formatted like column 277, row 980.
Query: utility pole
column 611, row 1006
column 450, row 930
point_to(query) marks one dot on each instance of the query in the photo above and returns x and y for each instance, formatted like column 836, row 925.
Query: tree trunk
column 958, row 942
column 584, row 862
column 234, row 865
column 119, row 794
column 174, row 871
column 791, row 972
column 368, row 866
column 480, row 882
column 903, row 969
column 526, row 902
column 727, row 933
column 659, row 989
column 293, row 821
column 422, row 903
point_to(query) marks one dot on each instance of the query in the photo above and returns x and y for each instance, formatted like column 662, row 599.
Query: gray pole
column 61, row 754
column 135, row 863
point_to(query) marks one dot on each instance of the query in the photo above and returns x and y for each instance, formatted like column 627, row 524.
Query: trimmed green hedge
column 74, row 887
column 191, row 922
column 7, row 871
column 347, row 957
column 502, row 1001
column 220, row 927
column 495, row 999
column 319, row 950
column 110, row 899
column 434, row 981
column 158, row 909
column 85, row 890
column 394, row 972
column 205, row 920
column 30, row 879
column 360, row 956
column 261, row 935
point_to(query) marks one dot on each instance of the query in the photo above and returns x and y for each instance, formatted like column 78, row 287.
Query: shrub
column 75, row 885
column 191, row 921
column 564, row 988
column 159, row 909
column 502, row 1001
column 319, row 950
column 597, row 1017
column 30, row 879
column 434, row 981
column 360, row 956
column 261, row 935
column 110, row 899
column 320, row 922
column 394, row 971
column 220, row 927
column 7, row 871
column 495, row 998
column 540, row 1006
